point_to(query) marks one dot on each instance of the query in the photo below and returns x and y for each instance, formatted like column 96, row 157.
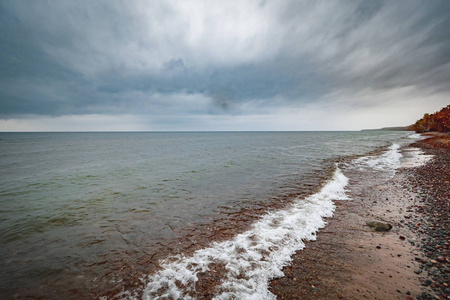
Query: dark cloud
column 137, row 57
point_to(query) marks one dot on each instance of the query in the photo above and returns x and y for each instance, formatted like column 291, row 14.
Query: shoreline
column 350, row 261
column 347, row 261
column 209, row 280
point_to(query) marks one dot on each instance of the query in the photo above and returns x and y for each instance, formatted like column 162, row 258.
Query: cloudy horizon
column 229, row 65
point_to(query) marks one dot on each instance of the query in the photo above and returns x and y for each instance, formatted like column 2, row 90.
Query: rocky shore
column 432, row 219
column 349, row 260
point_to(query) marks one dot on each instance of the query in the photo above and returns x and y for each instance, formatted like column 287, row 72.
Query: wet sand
column 351, row 261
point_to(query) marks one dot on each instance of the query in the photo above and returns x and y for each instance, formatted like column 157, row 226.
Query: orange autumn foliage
column 439, row 121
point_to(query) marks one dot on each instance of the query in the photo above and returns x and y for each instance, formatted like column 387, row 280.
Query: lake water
column 89, row 214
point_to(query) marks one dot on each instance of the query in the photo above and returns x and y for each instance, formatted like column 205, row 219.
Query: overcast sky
column 221, row 65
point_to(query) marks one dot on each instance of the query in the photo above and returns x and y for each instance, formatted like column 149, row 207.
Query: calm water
column 81, row 211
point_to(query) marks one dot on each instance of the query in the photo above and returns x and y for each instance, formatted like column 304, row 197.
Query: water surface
column 80, row 209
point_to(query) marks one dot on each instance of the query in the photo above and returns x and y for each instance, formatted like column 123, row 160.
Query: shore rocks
column 432, row 183
column 441, row 259
column 379, row 226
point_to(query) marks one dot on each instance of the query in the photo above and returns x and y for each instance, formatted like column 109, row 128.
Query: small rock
column 434, row 285
column 441, row 259
column 379, row 226
column 402, row 237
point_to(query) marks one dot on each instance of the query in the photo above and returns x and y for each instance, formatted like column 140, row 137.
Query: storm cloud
column 205, row 65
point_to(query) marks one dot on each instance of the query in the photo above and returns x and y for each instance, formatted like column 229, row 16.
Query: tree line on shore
column 438, row 121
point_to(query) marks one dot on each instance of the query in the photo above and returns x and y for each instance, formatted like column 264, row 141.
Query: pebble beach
column 349, row 260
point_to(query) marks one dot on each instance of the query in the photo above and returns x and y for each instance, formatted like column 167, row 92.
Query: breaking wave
column 388, row 161
column 247, row 262
column 415, row 136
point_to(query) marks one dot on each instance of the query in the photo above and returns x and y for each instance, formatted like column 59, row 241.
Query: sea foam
column 388, row 161
column 415, row 136
column 252, row 258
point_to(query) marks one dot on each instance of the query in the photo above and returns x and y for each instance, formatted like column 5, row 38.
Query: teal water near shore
column 73, row 204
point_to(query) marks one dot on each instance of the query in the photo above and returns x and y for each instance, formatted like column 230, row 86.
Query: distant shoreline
column 397, row 128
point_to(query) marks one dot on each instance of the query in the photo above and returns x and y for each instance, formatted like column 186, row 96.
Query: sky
column 143, row 65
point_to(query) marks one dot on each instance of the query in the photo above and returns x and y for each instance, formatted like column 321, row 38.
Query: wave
column 388, row 161
column 251, row 259
column 415, row 136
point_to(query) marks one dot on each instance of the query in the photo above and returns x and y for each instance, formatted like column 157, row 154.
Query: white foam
column 414, row 157
column 254, row 257
column 388, row 161
column 415, row 136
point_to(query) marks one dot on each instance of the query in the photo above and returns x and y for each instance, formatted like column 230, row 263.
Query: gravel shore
column 351, row 261
column 432, row 219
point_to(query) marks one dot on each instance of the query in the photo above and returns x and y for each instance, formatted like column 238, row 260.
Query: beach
column 226, row 216
column 351, row 261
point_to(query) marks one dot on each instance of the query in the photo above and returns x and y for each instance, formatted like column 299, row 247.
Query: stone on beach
column 379, row 226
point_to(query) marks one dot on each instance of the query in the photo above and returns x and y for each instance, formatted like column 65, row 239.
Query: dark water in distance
column 70, row 201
